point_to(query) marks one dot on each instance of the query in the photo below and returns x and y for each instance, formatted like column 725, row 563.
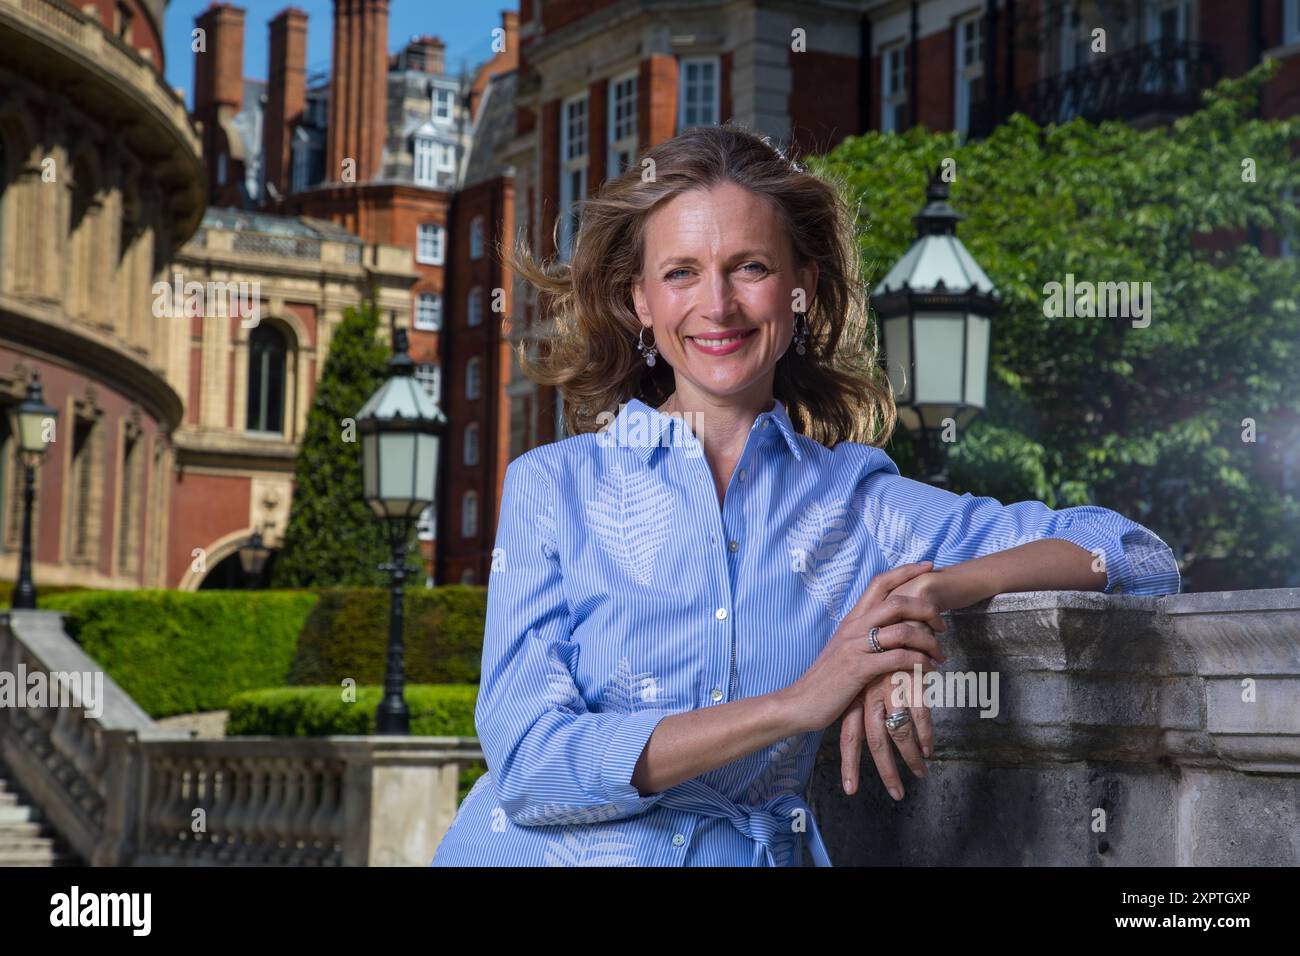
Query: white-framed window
column 698, row 100
column 573, row 169
column 447, row 158
column 473, row 378
column 429, row 244
column 424, row 153
column 621, row 124
column 429, row 376
column 426, row 528
column 893, row 89
column 969, row 42
column 443, row 101
column 469, row 514
column 471, row 444
column 1168, row 23
column 474, row 306
column 428, row 312
column 476, row 238
column 1291, row 21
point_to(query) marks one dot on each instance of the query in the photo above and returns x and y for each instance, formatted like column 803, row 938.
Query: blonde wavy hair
column 836, row 392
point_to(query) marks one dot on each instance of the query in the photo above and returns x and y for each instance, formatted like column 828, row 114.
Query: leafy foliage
column 1147, row 421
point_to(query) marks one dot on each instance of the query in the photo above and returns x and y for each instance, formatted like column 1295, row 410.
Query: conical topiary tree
column 333, row 537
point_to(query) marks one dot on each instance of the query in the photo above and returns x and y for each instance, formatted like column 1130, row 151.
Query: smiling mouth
column 714, row 343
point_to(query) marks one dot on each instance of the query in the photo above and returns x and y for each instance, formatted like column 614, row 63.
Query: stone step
column 18, row 814
column 30, row 828
column 43, row 857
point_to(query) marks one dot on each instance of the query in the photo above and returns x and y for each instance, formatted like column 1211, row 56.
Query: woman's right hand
column 848, row 664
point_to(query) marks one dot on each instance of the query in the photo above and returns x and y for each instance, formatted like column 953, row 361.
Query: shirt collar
column 642, row 428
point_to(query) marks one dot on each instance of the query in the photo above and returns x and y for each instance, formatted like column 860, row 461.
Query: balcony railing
column 1158, row 78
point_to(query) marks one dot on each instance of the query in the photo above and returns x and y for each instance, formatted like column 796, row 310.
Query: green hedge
column 42, row 592
column 437, row 710
column 177, row 652
column 347, row 632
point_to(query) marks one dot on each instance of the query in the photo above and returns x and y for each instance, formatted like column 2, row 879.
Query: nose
column 717, row 297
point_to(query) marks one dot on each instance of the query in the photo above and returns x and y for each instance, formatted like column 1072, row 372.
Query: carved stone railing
column 123, row 791
column 1128, row 731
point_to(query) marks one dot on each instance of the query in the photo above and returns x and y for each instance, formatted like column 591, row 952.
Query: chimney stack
column 219, row 95
column 286, row 95
column 358, row 89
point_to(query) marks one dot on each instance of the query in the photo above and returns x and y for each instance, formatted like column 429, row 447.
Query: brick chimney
column 358, row 89
column 425, row 54
column 219, row 95
column 286, row 95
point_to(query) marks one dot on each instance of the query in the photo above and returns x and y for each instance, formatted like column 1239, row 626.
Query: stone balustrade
column 125, row 792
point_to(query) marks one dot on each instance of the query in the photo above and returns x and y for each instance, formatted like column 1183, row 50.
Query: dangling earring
column 650, row 352
column 801, row 333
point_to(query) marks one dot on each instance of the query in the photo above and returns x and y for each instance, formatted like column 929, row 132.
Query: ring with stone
column 875, row 644
column 900, row 718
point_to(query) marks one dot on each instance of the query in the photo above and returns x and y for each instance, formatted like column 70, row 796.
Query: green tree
column 333, row 538
column 1147, row 421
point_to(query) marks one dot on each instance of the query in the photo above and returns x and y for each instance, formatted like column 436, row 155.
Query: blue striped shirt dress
column 621, row 593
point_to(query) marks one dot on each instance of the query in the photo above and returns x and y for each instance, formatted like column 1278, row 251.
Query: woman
column 682, row 600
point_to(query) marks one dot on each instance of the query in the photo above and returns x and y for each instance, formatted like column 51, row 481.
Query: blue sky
column 466, row 28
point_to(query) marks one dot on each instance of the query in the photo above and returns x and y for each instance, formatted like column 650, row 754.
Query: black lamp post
column 936, row 305
column 401, row 429
column 30, row 422
column 252, row 556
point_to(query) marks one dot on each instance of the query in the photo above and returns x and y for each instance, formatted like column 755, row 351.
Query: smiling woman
column 669, row 632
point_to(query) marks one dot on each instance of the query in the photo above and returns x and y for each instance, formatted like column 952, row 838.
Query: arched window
column 471, row 443
column 474, row 306
column 469, row 514
column 473, row 378
column 266, row 373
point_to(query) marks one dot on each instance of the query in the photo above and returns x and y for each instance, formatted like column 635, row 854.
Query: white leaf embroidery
column 630, row 518
column 589, row 846
column 824, row 554
column 630, row 693
column 780, row 776
column 893, row 532
column 561, row 691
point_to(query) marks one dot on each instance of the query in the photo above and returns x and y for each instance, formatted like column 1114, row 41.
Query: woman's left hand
column 865, row 717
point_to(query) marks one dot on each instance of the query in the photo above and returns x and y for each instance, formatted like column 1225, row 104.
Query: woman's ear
column 808, row 277
column 639, row 303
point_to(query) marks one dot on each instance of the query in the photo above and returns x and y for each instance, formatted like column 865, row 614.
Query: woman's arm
column 1051, row 564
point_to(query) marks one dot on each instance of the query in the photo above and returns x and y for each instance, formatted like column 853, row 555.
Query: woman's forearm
column 1050, row 564
column 688, row 744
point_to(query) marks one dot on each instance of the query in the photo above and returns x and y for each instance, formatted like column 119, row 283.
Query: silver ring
column 875, row 644
column 900, row 718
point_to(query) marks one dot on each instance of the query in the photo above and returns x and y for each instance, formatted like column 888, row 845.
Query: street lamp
column 252, row 556
column 33, row 422
column 936, row 305
column 401, row 429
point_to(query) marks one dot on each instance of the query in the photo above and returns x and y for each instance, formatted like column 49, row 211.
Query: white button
column 716, row 693
column 742, row 474
column 720, row 614
column 733, row 545
column 678, row 839
column 766, row 422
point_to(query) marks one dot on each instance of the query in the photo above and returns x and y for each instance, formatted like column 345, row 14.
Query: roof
column 494, row 125
column 242, row 220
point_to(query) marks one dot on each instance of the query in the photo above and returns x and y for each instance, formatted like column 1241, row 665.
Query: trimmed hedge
column 437, row 710
column 346, row 635
column 42, row 592
column 177, row 652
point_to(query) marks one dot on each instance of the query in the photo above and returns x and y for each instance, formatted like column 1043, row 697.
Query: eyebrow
column 691, row 260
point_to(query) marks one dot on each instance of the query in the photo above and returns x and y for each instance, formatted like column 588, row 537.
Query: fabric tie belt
column 763, row 824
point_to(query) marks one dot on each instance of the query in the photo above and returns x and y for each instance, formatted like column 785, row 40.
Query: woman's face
column 719, row 263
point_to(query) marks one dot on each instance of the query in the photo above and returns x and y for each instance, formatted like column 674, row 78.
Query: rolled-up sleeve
column 552, row 759
column 913, row 521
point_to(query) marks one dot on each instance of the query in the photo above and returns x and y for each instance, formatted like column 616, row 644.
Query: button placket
column 722, row 616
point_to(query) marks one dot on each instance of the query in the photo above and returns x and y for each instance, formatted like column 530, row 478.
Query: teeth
column 718, row 343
